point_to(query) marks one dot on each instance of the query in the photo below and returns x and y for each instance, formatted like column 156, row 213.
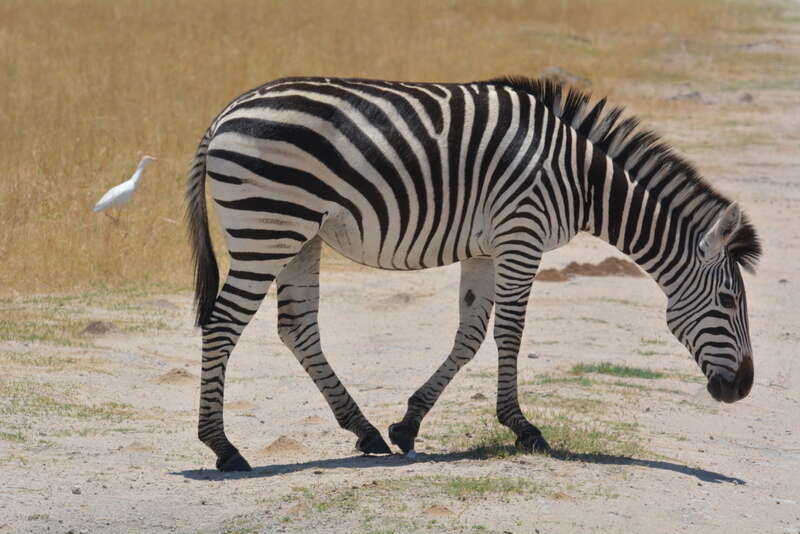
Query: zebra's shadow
column 323, row 467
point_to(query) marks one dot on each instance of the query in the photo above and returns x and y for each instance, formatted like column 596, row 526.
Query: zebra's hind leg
column 237, row 302
column 298, row 305
column 475, row 298
column 514, row 274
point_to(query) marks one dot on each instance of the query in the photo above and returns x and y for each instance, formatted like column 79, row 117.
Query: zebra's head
column 708, row 312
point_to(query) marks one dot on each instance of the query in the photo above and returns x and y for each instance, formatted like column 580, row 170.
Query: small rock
column 747, row 98
column 478, row 396
column 533, row 355
column 76, row 490
column 783, row 281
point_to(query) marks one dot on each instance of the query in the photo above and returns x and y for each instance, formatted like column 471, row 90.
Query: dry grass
column 88, row 86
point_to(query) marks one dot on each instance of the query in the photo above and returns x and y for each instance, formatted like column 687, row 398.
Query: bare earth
column 101, row 437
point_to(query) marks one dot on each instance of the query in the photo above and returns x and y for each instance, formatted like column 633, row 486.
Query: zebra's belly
column 389, row 250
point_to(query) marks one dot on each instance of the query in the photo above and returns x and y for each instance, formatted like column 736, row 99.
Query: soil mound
column 608, row 267
column 240, row 405
column 96, row 328
column 438, row 511
column 312, row 420
column 176, row 376
column 284, row 446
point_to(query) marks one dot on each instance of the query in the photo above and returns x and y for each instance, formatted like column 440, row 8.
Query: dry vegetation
column 89, row 86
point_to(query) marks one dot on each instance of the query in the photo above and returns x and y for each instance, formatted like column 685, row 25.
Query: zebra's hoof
column 235, row 462
column 373, row 443
column 403, row 436
column 532, row 443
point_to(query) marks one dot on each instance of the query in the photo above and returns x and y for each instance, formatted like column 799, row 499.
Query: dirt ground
column 98, row 428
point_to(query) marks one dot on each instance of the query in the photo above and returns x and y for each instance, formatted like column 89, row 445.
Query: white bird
column 121, row 194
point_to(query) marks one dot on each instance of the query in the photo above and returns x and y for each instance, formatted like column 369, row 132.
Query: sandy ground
column 102, row 437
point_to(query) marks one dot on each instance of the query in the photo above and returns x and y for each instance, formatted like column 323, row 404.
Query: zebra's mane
column 642, row 153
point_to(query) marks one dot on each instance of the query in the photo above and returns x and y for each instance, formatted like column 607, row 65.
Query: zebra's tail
column 206, row 271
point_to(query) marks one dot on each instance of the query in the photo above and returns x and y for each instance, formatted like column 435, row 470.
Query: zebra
column 407, row 176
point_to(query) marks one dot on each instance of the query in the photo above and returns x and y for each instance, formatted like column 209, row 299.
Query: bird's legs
column 115, row 219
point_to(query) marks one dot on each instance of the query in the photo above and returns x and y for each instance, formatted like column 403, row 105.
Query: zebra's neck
column 659, row 230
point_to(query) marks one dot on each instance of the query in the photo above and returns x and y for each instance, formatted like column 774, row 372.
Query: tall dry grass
column 86, row 87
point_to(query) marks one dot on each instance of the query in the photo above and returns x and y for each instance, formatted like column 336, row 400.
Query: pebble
column 76, row 490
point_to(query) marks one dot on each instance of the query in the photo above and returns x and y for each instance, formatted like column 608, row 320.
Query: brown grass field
column 88, row 86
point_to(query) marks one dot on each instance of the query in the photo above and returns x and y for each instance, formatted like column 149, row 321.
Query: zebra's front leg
column 475, row 300
column 514, row 274
column 298, row 305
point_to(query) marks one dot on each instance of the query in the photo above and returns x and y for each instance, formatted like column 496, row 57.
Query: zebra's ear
column 721, row 232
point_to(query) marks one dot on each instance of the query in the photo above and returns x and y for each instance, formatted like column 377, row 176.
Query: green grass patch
column 593, row 320
column 463, row 488
column 18, row 437
column 607, row 368
column 641, row 352
column 566, row 435
column 390, row 504
column 570, row 404
column 577, row 380
column 52, row 363
column 37, row 399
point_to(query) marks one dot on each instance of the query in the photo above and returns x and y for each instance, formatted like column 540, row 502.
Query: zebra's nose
column 736, row 389
column 744, row 377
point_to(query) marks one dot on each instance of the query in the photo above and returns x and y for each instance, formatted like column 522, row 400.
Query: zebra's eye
column 727, row 300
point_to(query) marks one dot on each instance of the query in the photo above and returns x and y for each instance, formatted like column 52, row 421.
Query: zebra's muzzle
column 737, row 389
